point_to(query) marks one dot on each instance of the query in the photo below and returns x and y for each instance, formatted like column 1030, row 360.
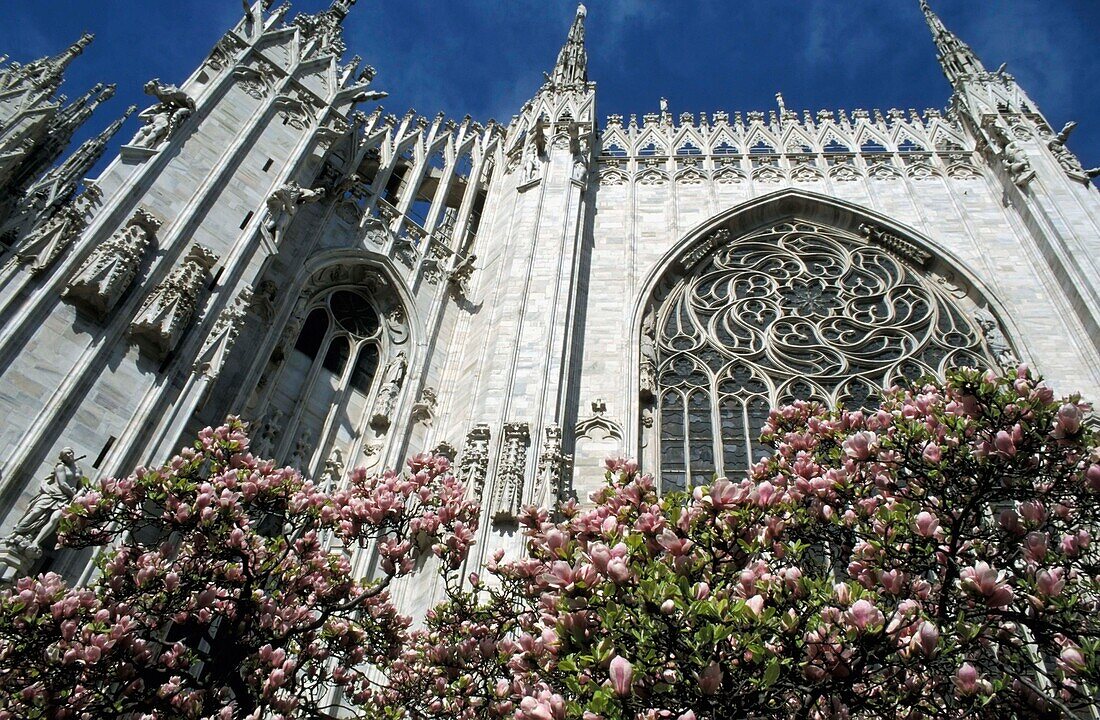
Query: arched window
column 321, row 397
column 796, row 310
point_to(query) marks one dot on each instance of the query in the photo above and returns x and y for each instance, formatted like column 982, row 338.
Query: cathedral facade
column 526, row 299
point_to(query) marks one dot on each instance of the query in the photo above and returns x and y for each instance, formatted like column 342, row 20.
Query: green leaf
column 772, row 673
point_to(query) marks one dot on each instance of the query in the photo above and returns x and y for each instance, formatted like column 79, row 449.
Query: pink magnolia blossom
column 926, row 524
column 621, row 673
column 985, row 581
column 710, row 679
column 966, row 679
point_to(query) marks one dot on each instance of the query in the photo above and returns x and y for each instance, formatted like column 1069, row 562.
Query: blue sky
column 485, row 57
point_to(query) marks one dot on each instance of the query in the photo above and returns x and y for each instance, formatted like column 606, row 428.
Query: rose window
column 797, row 310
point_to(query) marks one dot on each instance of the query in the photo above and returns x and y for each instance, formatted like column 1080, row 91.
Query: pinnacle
column 340, row 8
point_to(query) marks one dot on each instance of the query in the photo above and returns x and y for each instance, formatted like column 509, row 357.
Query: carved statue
column 460, row 272
column 532, row 163
column 423, row 410
column 164, row 118
column 1016, row 164
column 334, row 469
column 41, row 517
column 580, row 168
column 392, row 380
column 284, row 203
column 995, row 338
column 647, row 381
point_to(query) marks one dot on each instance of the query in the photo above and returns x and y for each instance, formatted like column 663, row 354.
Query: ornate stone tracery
column 508, row 496
column 107, row 273
column 794, row 310
column 474, row 463
column 340, row 367
column 166, row 313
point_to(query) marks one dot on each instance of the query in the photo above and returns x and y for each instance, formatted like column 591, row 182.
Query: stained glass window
column 793, row 311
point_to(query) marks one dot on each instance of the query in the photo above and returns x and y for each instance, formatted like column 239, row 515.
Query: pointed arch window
column 795, row 310
column 322, row 393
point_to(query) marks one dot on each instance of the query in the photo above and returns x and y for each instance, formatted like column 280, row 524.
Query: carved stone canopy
column 167, row 312
column 110, row 269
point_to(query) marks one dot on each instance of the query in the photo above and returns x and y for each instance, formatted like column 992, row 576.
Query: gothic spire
column 572, row 65
column 53, row 68
column 956, row 57
column 61, row 181
column 70, row 117
column 45, row 73
column 322, row 31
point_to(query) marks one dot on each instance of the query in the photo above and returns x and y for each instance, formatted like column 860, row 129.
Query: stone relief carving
column 507, row 501
column 298, row 110
column 53, row 238
column 166, row 313
column 263, row 441
column 258, row 81
column 163, row 119
column 599, row 425
column 224, row 52
column 371, row 450
column 42, row 515
column 299, row 459
column 109, row 270
column 553, row 469
column 392, row 380
column 283, row 204
column 334, row 470
column 423, row 410
column 223, row 335
column 474, row 465
column 395, row 323
column 647, row 380
column 375, row 231
column 1016, row 164
column 436, row 261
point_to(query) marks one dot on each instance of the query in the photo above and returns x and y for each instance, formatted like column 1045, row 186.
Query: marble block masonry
column 526, row 298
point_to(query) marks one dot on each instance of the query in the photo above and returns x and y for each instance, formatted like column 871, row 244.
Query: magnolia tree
column 227, row 591
column 932, row 558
